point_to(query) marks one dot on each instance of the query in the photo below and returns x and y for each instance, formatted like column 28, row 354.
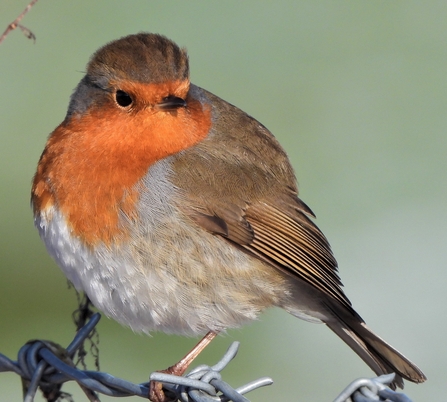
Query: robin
column 175, row 211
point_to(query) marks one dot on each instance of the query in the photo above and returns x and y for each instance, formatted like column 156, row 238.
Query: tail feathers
column 381, row 357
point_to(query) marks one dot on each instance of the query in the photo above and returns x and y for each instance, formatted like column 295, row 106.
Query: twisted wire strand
column 47, row 365
column 371, row 390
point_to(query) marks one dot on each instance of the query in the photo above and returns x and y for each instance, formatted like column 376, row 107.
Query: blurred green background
column 356, row 91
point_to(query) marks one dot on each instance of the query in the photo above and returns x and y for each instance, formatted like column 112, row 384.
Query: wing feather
column 301, row 250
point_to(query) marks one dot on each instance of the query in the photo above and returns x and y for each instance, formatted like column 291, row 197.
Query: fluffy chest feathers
column 159, row 278
column 92, row 163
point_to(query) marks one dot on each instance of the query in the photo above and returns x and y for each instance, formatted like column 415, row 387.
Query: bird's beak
column 170, row 103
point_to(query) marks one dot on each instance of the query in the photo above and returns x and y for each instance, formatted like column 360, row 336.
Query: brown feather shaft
column 289, row 248
column 281, row 222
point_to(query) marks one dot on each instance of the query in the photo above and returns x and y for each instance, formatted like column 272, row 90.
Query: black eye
column 123, row 98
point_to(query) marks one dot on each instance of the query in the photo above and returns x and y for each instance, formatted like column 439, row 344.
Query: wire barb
column 204, row 383
column 371, row 390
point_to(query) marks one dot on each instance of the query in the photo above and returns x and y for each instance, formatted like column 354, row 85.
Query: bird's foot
column 156, row 392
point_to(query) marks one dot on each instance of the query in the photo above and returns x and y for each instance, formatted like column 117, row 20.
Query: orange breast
column 91, row 164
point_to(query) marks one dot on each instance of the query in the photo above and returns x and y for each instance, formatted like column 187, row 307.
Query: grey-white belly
column 170, row 275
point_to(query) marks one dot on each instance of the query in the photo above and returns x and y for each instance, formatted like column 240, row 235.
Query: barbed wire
column 369, row 390
column 45, row 365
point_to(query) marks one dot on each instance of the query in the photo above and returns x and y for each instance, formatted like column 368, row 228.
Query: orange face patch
column 151, row 94
column 91, row 163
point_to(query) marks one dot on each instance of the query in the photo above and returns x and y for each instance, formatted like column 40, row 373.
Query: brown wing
column 282, row 235
column 297, row 245
column 238, row 183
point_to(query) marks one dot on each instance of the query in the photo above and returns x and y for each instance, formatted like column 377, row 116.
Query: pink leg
column 156, row 393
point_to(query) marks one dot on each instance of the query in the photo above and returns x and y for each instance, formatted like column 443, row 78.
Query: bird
column 175, row 211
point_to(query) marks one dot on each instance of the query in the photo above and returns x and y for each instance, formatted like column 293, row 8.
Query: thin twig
column 16, row 24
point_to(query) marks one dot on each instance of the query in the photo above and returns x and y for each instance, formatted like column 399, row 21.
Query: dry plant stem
column 91, row 396
column 16, row 24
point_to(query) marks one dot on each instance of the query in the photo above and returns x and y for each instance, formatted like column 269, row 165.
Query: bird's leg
column 156, row 393
column 180, row 367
